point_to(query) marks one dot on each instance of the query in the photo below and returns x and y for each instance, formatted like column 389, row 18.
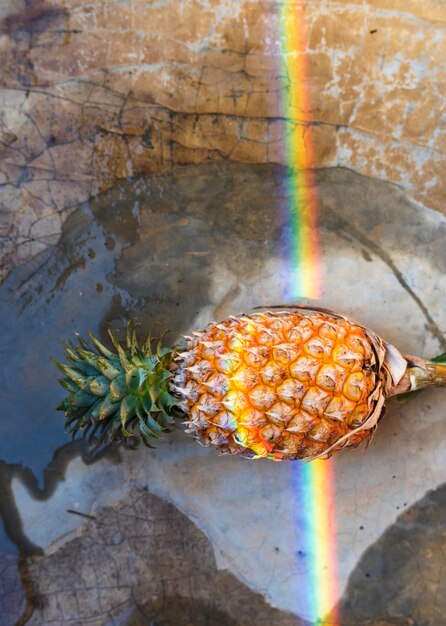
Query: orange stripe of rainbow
column 306, row 264
column 317, row 477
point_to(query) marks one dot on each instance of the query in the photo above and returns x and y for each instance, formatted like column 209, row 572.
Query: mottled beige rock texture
column 143, row 562
column 95, row 92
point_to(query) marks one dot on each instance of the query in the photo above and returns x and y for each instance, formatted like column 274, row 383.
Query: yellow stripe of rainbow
column 317, row 478
column 305, row 261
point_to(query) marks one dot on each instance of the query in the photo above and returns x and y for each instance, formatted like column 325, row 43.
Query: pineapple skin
column 283, row 385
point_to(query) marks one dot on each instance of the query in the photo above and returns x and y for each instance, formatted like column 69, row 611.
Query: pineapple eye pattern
column 292, row 384
column 286, row 385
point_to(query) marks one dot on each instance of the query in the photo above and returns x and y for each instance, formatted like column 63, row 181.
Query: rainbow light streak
column 314, row 483
column 305, row 256
column 321, row 528
column 317, row 589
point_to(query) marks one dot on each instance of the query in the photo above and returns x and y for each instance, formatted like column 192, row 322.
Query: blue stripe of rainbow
column 314, row 483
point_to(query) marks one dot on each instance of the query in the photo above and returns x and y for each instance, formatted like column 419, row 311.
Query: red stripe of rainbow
column 305, row 261
column 316, row 478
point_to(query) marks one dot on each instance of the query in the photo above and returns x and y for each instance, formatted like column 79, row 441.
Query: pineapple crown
column 122, row 396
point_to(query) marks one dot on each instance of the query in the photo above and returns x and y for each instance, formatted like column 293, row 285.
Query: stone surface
column 402, row 574
column 142, row 146
column 200, row 243
column 94, row 93
column 13, row 601
column 143, row 561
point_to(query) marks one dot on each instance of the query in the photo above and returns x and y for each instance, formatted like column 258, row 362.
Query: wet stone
column 199, row 244
column 399, row 579
column 144, row 562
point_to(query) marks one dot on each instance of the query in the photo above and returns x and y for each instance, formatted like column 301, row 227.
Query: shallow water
column 174, row 252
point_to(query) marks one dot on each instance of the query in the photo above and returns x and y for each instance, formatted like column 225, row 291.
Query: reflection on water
column 150, row 248
column 147, row 250
column 42, row 302
column 175, row 251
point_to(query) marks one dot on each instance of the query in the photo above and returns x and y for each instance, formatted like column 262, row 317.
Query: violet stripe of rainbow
column 305, row 257
column 317, row 582
column 321, row 527
column 314, row 482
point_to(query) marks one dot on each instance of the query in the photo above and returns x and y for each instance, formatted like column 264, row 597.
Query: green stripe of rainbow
column 316, row 478
column 318, row 482
column 305, row 261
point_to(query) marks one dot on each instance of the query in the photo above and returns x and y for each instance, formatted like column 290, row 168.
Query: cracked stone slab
column 144, row 243
column 402, row 574
column 93, row 93
column 143, row 561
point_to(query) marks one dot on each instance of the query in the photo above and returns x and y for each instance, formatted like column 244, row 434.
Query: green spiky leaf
column 114, row 396
column 108, row 369
column 134, row 378
column 147, row 403
column 118, row 389
column 99, row 386
column 72, row 374
column 99, row 346
column 127, row 412
column 130, row 336
column 123, row 357
column 440, row 359
column 81, row 399
column 107, row 408
column 68, row 385
column 89, row 357
column 146, row 430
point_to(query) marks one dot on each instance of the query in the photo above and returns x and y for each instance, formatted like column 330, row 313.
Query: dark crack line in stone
column 218, row 113
column 53, row 474
column 228, row 115
column 86, row 515
column 431, row 326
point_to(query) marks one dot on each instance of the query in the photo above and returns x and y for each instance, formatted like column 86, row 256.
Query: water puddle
column 173, row 252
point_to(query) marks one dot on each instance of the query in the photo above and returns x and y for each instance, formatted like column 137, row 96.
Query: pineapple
column 297, row 383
